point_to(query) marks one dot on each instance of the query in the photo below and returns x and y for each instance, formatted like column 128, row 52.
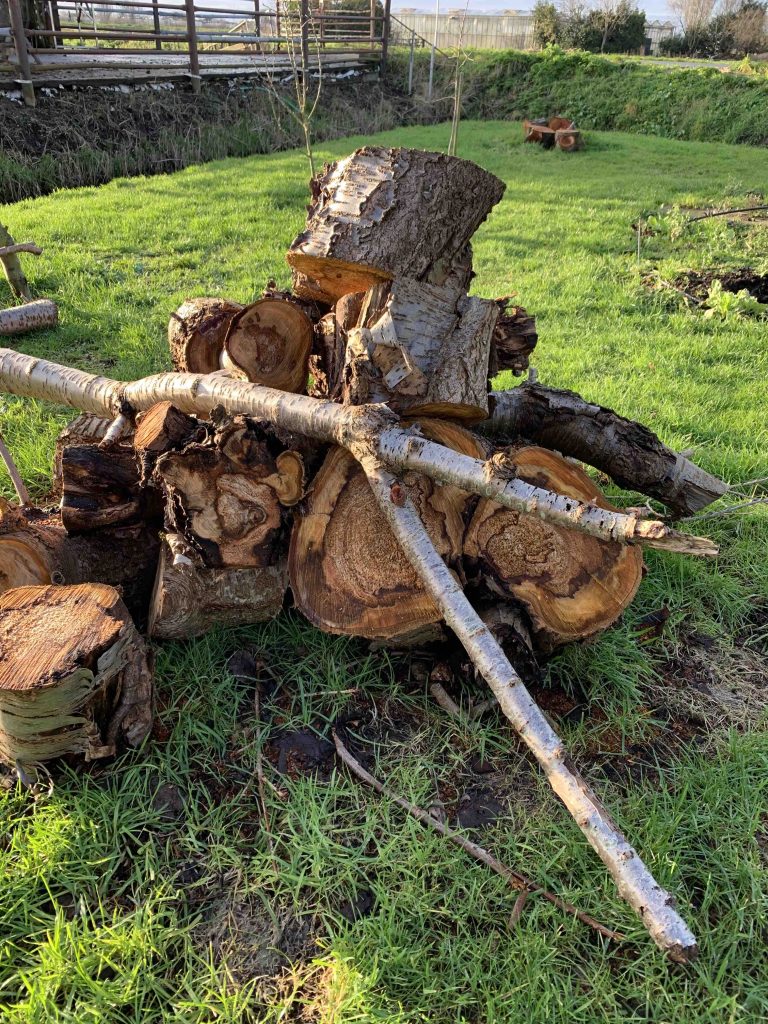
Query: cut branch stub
column 196, row 333
column 189, row 599
column 348, row 573
column 163, row 428
column 269, row 343
column 421, row 349
column 226, row 499
column 384, row 213
column 74, row 674
column 571, row 585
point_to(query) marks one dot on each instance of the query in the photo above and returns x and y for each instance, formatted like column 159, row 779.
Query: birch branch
column 348, row 426
column 515, row 879
column 10, row 465
column 11, row 250
column 634, row 881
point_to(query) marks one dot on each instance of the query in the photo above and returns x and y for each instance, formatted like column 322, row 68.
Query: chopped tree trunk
column 348, row 574
column 189, row 599
column 36, row 549
column 100, row 488
column 627, row 452
column 384, row 213
column 196, row 333
column 31, row 316
column 227, row 499
column 368, row 428
column 635, row 883
column 74, row 674
column 514, row 338
column 269, row 343
column 571, row 585
column 422, row 350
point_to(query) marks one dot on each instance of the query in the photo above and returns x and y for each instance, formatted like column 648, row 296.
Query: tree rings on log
column 348, row 573
column 383, row 213
column 74, row 674
column 269, row 343
column 422, row 349
column 196, row 333
column 571, row 584
column 189, row 599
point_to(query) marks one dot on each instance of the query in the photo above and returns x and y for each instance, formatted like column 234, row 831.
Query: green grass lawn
column 149, row 889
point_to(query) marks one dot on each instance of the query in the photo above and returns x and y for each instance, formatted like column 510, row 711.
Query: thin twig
column 10, row 465
column 725, row 213
column 438, row 691
column 516, row 880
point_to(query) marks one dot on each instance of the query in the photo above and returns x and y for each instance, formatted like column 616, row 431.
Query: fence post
column 410, row 64
column 434, row 47
column 257, row 20
column 56, row 22
column 156, row 23
column 304, row 15
column 22, row 56
column 372, row 33
column 384, row 39
column 194, row 60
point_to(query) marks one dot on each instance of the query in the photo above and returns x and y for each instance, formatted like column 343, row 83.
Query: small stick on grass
column 517, row 881
column 10, row 465
column 440, row 694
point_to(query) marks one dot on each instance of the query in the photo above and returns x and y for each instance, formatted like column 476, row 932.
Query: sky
column 654, row 9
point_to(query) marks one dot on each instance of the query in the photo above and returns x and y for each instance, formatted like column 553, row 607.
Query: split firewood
column 35, row 549
column 11, row 264
column 100, row 487
column 348, row 574
column 226, row 499
column 74, row 674
column 269, row 343
column 84, row 429
column 362, row 428
column 571, row 585
column 190, row 599
column 196, row 333
column 422, row 349
column 30, row 316
column 514, row 338
column 629, row 453
column 362, row 228
column 329, row 349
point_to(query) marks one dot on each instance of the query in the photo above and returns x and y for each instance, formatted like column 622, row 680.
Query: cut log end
column 196, row 333
column 269, row 343
column 74, row 674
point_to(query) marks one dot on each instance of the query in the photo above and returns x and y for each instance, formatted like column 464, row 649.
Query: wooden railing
column 170, row 29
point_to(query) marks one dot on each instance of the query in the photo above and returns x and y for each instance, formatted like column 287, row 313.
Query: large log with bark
column 101, row 487
column 384, row 213
column 74, row 674
column 269, row 343
column 422, row 349
column 571, row 585
column 628, row 452
column 347, row 572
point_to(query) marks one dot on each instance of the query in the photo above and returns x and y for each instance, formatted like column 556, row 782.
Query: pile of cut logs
column 340, row 442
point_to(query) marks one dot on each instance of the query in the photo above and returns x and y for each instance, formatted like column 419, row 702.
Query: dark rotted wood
column 196, row 333
column 100, row 487
column 326, row 364
column 631, row 454
column 514, row 338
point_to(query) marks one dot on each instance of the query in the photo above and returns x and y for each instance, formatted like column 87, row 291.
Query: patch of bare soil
column 698, row 282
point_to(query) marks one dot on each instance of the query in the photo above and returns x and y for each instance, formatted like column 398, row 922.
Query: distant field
column 146, row 890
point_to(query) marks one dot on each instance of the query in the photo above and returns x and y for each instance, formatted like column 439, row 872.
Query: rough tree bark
column 629, row 453
column 74, row 674
column 100, row 487
column 571, row 585
column 397, row 447
column 361, row 226
column 348, row 574
column 31, row 316
column 421, row 349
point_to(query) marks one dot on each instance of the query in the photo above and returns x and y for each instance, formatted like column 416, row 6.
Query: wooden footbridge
column 53, row 43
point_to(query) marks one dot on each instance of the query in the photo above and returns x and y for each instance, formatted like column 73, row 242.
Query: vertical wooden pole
column 410, row 64
column 194, row 60
column 384, row 39
column 321, row 20
column 156, row 23
column 373, row 23
column 56, row 20
column 304, row 15
column 22, row 56
column 257, row 20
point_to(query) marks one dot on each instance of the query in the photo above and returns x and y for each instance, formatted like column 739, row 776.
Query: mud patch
column 698, row 282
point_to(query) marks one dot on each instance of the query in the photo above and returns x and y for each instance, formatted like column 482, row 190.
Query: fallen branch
column 11, row 250
column 10, row 465
column 11, row 264
column 30, row 316
column 516, row 880
column 348, row 426
column 629, row 453
column 635, row 883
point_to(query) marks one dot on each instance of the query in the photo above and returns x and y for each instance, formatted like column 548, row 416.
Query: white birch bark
column 28, row 317
column 348, row 426
column 635, row 883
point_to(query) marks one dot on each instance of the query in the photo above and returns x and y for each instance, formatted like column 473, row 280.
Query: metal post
column 194, row 60
column 20, row 42
column 384, row 39
column 410, row 64
column 156, row 23
column 434, row 47
column 304, row 15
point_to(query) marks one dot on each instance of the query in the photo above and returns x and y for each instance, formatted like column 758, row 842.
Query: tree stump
column 384, row 213
column 74, row 674
column 348, row 573
column 572, row 585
